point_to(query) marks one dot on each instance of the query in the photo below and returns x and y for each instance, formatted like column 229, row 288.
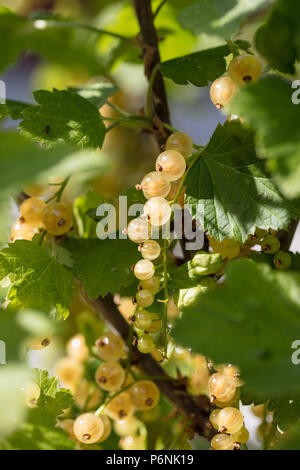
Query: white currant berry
column 242, row 436
column 39, row 343
column 76, row 348
column 171, row 164
column 221, row 91
column 106, row 428
column 221, row 387
column 31, row 393
column 120, row 407
column 144, row 298
column 139, row 230
column 222, row 442
column 158, row 210
column 181, row 142
column 145, row 344
column 155, row 184
column 144, row 395
column 110, row 376
column 88, row 428
column 32, row 209
column 143, row 319
column 144, row 270
column 213, row 418
column 230, row 420
column 152, row 284
column 150, row 250
column 245, row 69
column 69, row 371
column 110, row 346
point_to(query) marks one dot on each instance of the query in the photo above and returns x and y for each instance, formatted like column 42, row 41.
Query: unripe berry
column 145, row 344
column 143, row 319
column 270, row 244
column 171, row 164
column 155, row 184
column 245, row 69
column 282, row 260
column 144, row 298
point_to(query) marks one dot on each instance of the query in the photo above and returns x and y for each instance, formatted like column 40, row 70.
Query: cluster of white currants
column 242, row 70
column 156, row 186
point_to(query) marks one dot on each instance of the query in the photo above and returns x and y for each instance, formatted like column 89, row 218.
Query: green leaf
column 12, row 406
column 63, row 115
column 39, row 431
column 17, row 327
column 286, row 411
column 198, row 68
column 268, row 108
column 38, row 281
column 251, row 321
column 228, row 189
column 291, row 439
column 218, row 17
column 280, row 49
column 34, row 164
column 97, row 93
column 12, row 109
column 103, row 266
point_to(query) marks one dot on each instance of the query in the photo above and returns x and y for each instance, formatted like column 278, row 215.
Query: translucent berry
column 221, row 388
column 181, row 142
column 245, row 69
column 282, row 260
column 152, row 284
column 156, row 323
column 222, row 442
column 158, row 210
column 110, row 376
column 57, row 218
column 87, row 396
column 69, row 371
column 132, row 443
column 139, row 230
column 171, row 164
column 23, row 231
column 213, row 418
column 127, row 426
column 144, row 270
column 144, row 298
column 34, row 190
column 32, row 209
column 144, row 395
column 198, row 381
column 76, row 348
column 230, row 420
column 143, row 319
column 270, row 244
column 120, row 407
column 39, row 343
column 88, row 428
column 106, row 428
column 110, row 346
column 242, row 436
column 155, row 184
column 145, row 344
column 221, row 91
column 151, row 250
column 31, row 393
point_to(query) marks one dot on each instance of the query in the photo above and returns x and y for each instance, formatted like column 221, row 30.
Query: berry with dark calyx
column 144, row 395
column 270, row 244
column 221, row 91
column 245, row 69
column 88, row 428
column 57, row 218
column 31, row 393
column 221, row 387
column 171, row 164
column 152, row 284
column 222, row 442
column 282, row 260
column 230, row 420
column 110, row 346
column 39, row 343
column 120, row 407
column 32, row 209
column 110, row 376
column 139, row 230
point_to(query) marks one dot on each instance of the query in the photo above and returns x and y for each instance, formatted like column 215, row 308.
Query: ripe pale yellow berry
column 221, row 387
column 144, row 270
column 222, row 442
column 110, row 376
column 145, row 344
column 76, row 348
column 230, row 420
column 139, row 230
column 144, row 298
column 158, row 211
column 57, row 218
column 144, row 394
column 32, row 209
column 88, row 428
column 120, row 407
column 181, row 142
column 171, row 164
column 245, row 69
column 110, row 346
column 39, row 343
column 31, row 393
column 150, row 250
column 221, row 91
column 155, row 184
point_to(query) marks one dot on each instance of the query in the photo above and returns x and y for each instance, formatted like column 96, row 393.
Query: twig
column 174, row 390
